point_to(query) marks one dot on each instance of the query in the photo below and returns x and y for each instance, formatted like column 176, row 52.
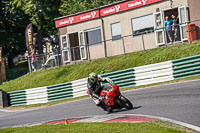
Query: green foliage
column 145, row 127
column 78, row 71
column 15, row 15
column 73, row 6
column 20, row 69
column 12, row 33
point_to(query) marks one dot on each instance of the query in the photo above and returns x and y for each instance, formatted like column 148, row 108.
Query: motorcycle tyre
column 125, row 102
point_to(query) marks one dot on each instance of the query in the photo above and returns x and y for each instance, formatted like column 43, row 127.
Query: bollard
column 66, row 122
column 3, row 99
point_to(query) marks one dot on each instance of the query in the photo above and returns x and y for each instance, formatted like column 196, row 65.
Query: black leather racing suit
column 95, row 88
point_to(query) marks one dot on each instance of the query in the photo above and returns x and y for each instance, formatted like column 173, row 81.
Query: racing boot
column 102, row 106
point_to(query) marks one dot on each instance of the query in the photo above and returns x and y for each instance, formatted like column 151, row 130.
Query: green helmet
column 92, row 77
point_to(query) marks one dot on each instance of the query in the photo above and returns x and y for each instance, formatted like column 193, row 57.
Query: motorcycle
column 113, row 99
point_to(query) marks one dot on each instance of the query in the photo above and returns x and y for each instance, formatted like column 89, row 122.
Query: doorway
column 74, row 46
column 77, row 47
column 159, row 25
column 176, row 37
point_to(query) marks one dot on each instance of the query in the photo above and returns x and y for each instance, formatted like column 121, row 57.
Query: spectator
column 168, row 27
column 175, row 28
column 34, row 63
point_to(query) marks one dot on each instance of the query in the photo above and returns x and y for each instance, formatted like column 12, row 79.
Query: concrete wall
column 84, row 26
column 97, row 51
column 3, row 99
column 194, row 13
column 134, row 44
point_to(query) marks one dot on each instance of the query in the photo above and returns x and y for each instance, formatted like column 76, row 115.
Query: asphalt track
column 178, row 101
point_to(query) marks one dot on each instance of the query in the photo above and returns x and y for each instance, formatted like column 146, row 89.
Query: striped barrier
column 153, row 73
column 123, row 78
column 143, row 75
column 186, row 67
column 59, row 91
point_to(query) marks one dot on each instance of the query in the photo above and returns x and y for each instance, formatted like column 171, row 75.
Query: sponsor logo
column 138, row 3
column 69, row 21
column 144, row 2
column 114, row 9
column 91, row 15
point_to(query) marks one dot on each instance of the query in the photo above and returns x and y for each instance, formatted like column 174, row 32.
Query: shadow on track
column 121, row 110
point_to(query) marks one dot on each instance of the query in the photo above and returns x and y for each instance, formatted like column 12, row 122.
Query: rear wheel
column 125, row 102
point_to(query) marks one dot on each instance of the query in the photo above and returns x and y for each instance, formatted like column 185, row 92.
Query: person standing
column 175, row 27
column 168, row 27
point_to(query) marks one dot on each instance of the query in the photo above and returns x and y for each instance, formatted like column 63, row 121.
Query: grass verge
column 78, row 71
column 146, row 127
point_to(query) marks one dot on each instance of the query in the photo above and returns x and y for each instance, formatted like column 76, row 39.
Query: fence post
column 143, row 42
column 188, row 32
column 123, row 45
column 29, row 64
column 88, row 49
column 3, row 99
column 58, row 59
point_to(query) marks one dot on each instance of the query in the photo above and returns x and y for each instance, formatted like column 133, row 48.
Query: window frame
column 142, row 33
column 113, row 39
column 92, row 29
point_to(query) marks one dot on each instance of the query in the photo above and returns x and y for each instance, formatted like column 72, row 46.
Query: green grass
column 147, row 127
column 78, row 71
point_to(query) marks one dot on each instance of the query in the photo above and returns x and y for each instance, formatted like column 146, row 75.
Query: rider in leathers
column 94, row 86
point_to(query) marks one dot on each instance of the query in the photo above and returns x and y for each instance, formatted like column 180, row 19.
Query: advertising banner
column 34, row 43
column 127, row 5
column 48, row 44
column 78, row 18
column 29, row 39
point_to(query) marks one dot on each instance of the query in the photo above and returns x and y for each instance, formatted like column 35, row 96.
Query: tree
column 73, row 6
column 42, row 14
column 12, row 34
column 15, row 15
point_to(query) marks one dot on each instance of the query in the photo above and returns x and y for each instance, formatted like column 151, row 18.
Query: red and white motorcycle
column 113, row 99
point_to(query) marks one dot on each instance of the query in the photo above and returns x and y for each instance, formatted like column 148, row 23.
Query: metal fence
column 139, row 42
column 44, row 61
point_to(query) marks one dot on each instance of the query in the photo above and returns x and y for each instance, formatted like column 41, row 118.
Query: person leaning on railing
column 175, row 27
column 168, row 27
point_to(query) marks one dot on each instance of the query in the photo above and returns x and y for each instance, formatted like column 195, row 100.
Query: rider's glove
column 112, row 83
column 101, row 98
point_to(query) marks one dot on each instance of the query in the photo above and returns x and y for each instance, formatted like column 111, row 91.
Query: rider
column 94, row 86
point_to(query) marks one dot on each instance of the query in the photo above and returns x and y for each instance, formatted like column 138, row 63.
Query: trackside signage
column 77, row 19
column 104, row 12
column 126, row 6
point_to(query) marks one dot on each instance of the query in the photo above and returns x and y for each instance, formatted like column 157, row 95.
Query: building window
column 93, row 36
column 116, row 31
column 143, row 25
column 64, row 42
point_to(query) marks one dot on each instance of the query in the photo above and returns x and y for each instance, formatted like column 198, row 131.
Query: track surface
column 179, row 101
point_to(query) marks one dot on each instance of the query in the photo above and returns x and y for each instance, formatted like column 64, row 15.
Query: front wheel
column 125, row 102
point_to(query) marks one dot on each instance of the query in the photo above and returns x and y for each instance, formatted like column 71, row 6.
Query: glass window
column 66, row 55
column 64, row 42
column 93, row 36
column 116, row 31
column 182, row 15
column 143, row 25
column 158, row 21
